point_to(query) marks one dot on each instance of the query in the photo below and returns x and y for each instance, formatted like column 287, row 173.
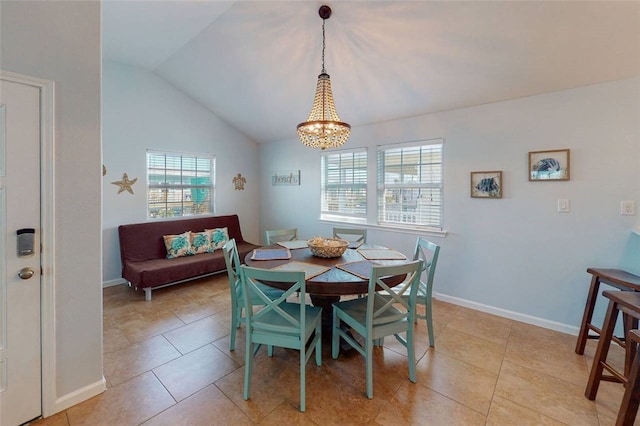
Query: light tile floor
column 167, row 362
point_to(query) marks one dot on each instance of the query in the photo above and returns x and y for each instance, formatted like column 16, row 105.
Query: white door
column 20, row 277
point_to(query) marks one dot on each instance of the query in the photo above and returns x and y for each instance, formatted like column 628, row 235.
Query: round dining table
column 327, row 287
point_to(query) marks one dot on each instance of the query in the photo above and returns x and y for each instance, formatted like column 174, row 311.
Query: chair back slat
column 428, row 252
column 279, row 319
column 351, row 234
column 277, row 235
column 392, row 307
column 232, row 261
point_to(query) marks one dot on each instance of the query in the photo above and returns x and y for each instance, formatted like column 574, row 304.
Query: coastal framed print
column 486, row 184
column 549, row 165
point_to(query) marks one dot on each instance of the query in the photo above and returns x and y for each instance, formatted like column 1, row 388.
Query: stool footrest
column 615, row 375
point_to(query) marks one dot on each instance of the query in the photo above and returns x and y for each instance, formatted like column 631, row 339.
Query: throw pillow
column 219, row 237
column 178, row 245
column 201, row 242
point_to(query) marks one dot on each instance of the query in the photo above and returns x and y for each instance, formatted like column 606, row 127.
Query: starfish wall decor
column 125, row 184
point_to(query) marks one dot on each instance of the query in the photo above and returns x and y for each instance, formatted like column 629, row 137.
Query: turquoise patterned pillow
column 178, row 245
column 219, row 237
column 201, row 242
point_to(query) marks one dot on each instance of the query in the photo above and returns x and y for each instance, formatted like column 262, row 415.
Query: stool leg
column 631, row 398
column 602, row 351
column 630, row 323
column 588, row 314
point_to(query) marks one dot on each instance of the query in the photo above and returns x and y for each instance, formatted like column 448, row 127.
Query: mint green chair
column 280, row 323
column 428, row 252
column 351, row 234
column 377, row 316
column 232, row 260
column 277, row 235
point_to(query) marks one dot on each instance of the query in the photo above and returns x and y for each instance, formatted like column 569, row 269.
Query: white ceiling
column 255, row 63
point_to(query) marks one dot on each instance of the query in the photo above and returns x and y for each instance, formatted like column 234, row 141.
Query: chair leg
column 303, row 370
column 411, row 353
column 319, row 344
column 369, row 367
column 234, row 324
column 335, row 337
column 248, row 368
column 429, row 318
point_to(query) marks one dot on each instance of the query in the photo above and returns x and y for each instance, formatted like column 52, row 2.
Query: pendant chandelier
column 323, row 129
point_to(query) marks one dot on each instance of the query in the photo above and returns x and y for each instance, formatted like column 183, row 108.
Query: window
column 179, row 185
column 344, row 185
column 410, row 184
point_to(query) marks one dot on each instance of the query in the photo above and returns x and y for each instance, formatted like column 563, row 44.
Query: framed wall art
column 486, row 184
column 549, row 165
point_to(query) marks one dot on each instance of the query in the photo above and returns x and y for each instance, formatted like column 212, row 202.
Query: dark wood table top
column 335, row 281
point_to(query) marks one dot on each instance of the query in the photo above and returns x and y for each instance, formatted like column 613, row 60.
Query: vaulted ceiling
column 255, row 63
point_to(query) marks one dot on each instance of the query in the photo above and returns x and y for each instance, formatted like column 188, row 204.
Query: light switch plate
column 564, row 206
column 628, row 208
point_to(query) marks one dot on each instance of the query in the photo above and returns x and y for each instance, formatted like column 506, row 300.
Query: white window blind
column 410, row 184
column 344, row 185
column 179, row 184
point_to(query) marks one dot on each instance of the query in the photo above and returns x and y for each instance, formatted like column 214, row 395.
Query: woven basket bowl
column 328, row 247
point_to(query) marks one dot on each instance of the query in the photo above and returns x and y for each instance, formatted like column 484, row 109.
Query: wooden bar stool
column 627, row 302
column 631, row 398
column 614, row 277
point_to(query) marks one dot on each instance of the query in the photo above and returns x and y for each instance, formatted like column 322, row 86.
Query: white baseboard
column 111, row 283
column 528, row 319
column 80, row 395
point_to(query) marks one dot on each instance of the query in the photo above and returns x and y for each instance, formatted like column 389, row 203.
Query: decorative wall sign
column 286, row 177
column 486, row 184
column 125, row 184
column 239, row 182
column 549, row 165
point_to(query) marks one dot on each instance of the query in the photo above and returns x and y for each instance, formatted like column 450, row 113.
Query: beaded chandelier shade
column 323, row 129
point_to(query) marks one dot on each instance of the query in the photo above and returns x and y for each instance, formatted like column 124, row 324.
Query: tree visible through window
column 179, row 185
column 410, row 184
column 344, row 185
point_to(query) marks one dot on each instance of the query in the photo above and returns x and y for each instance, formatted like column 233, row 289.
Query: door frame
column 47, row 237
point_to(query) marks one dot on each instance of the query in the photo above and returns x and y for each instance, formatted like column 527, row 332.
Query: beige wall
column 60, row 41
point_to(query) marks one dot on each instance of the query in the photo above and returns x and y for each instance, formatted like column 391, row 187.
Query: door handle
column 25, row 273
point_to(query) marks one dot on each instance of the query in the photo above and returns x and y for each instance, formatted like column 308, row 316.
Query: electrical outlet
column 564, row 206
column 628, row 208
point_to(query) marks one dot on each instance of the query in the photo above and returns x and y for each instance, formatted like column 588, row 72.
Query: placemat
column 381, row 254
column 355, row 244
column 294, row 244
column 310, row 270
column 360, row 268
column 271, row 254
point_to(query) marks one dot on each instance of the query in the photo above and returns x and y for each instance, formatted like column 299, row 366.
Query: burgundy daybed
column 144, row 255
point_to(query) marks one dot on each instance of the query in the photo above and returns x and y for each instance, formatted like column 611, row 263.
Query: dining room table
column 327, row 279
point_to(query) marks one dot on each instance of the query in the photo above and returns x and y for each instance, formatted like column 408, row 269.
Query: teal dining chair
column 377, row 316
column 232, row 260
column 280, row 323
column 276, row 235
column 351, row 234
column 428, row 252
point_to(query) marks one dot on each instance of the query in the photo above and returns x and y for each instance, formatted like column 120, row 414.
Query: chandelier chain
column 323, row 70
